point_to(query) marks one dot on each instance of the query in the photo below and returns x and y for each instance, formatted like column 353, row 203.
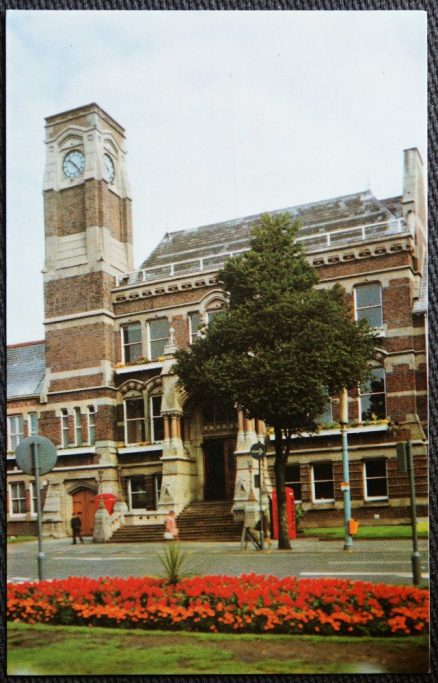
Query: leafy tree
column 280, row 345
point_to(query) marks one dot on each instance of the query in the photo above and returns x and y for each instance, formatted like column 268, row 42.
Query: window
column 33, row 500
column 157, row 488
column 369, row 303
column 137, row 493
column 372, row 396
column 375, row 479
column 211, row 314
column 91, row 425
column 64, row 428
column 293, row 480
column 15, row 431
column 132, row 346
column 157, row 423
column 327, row 415
column 195, row 321
column 158, row 336
column 322, row 482
column 78, row 426
column 32, row 424
column 17, row 498
column 134, row 420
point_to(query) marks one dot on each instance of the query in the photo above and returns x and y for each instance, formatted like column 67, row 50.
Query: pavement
column 377, row 561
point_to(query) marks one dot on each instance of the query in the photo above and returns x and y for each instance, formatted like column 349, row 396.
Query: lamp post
column 348, row 540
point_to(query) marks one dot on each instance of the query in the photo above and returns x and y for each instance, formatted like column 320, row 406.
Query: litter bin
column 290, row 512
column 109, row 500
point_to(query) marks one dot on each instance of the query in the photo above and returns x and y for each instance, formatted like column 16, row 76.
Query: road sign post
column 37, row 455
column 406, row 466
column 258, row 451
column 348, row 540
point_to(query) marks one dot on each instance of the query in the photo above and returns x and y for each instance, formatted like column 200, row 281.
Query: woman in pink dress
column 171, row 530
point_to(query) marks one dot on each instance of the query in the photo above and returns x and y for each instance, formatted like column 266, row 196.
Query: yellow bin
column 353, row 526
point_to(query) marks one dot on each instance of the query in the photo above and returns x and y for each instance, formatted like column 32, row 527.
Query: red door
column 83, row 506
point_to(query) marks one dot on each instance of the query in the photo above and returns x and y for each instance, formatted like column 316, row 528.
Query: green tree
column 279, row 346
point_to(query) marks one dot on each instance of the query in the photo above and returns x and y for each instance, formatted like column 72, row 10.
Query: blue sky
column 226, row 114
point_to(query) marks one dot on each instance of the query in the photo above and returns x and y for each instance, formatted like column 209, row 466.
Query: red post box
column 109, row 500
column 290, row 512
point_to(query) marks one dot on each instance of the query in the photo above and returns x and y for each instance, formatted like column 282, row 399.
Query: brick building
column 101, row 386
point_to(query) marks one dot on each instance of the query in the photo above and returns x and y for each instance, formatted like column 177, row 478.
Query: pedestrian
column 171, row 532
column 76, row 528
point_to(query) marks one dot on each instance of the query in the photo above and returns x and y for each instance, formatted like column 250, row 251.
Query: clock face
column 109, row 170
column 73, row 164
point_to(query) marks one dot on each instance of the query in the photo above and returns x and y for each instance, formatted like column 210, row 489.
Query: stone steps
column 205, row 521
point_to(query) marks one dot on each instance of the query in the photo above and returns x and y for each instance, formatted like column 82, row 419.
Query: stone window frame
column 134, row 389
column 379, row 305
column 65, row 439
column 78, row 426
column 367, row 461
column 91, row 424
column 362, row 394
column 321, row 501
column 14, row 498
column 15, row 431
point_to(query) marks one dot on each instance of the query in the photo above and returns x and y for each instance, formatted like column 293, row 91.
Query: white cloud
column 226, row 114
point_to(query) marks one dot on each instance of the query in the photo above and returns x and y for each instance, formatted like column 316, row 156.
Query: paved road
column 377, row 561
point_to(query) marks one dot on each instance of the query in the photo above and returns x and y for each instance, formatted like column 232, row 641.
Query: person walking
column 171, row 532
column 76, row 528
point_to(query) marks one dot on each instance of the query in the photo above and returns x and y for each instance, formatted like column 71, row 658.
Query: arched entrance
column 83, row 506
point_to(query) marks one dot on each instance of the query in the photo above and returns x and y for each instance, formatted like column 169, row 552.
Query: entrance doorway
column 83, row 506
column 219, row 469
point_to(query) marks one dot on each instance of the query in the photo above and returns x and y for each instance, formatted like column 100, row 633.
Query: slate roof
column 317, row 219
column 26, row 366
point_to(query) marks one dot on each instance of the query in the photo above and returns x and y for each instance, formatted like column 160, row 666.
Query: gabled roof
column 317, row 218
column 26, row 366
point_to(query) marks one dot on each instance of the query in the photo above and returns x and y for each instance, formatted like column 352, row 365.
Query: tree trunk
column 279, row 468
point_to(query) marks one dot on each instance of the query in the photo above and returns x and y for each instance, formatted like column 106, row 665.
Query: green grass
column 21, row 539
column 383, row 531
column 60, row 650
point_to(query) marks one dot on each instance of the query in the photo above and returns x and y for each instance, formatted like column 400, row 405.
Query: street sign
column 47, row 456
column 345, row 485
column 258, row 451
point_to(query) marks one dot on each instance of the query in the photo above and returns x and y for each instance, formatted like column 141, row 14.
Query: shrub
column 249, row 603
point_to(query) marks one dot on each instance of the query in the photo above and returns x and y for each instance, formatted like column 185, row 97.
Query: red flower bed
column 248, row 603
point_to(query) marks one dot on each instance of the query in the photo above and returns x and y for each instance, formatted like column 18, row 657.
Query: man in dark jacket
column 76, row 528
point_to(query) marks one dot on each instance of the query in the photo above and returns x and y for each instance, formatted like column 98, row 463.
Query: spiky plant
column 172, row 560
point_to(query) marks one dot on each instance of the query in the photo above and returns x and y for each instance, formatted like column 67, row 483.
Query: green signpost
column 258, row 451
column 406, row 466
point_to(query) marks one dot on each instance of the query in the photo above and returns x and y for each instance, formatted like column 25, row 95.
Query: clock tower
column 88, row 241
